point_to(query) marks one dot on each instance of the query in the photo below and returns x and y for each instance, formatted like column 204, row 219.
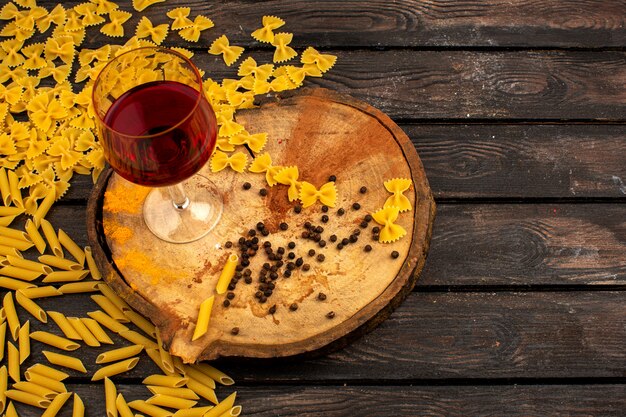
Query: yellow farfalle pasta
column 179, row 15
column 56, row 16
column 221, row 46
column 283, row 51
column 266, row 33
column 297, row 74
column 397, row 187
column 237, row 162
column 44, row 111
column 309, row 195
column 141, row 5
column 61, row 47
column 104, row 6
column 228, row 127
column 34, row 57
column 289, row 176
column 90, row 16
column 263, row 163
column 390, row 231
column 323, row 62
column 115, row 28
column 249, row 66
column 145, row 29
column 199, row 24
column 256, row 142
column 12, row 55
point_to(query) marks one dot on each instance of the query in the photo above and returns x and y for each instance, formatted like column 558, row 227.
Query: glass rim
column 154, row 48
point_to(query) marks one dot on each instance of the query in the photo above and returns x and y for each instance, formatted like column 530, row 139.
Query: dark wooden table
column 517, row 110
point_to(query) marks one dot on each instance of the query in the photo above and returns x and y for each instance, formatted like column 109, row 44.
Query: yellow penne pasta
column 12, row 317
column 115, row 369
column 83, row 331
column 122, row 407
column 110, row 308
column 18, row 244
column 51, row 238
column 35, row 236
column 5, row 189
column 45, row 381
column 47, row 371
column 54, row 340
column 13, row 361
column 214, row 374
column 138, row 339
column 31, row 306
column 141, row 322
column 166, row 358
column 14, row 233
column 61, row 263
column 65, row 326
column 3, row 315
column 119, row 354
column 185, row 393
column 30, row 265
column 110, row 396
column 115, row 299
column 170, row 402
column 96, row 330
column 27, row 398
column 202, row 390
column 56, row 404
column 44, row 207
column 91, row 263
column 65, row 276
column 107, row 321
column 78, row 409
column 156, row 358
column 151, row 410
column 204, row 316
column 225, row 405
column 191, row 372
column 11, row 412
column 40, row 292
column 65, row 361
column 8, row 250
column 10, row 211
column 6, row 220
column 79, row 287
column 20, row 273
column 227, row 274
column 38, row 390
column 178, row 364
column 24, row 341
column 16, row 194
column 71, row 247
column 235, row 411
column 166, row 381
column 3, row 332
column 3, row 386
column 193, row 412
column 14, row 284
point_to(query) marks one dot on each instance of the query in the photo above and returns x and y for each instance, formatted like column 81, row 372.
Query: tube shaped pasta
column 56, row 404
column 149, row 409
column 225, row 405
column 107, row 321
column 32, row 307
column 115, row 369
column 122, row 406
column 110, row 395
column 51, row 339
column 110, row 308
column 14, row 284
column 71, row 247
column 202, row 390
column 3, row 335
column 10, row 211
column 20, row 273
column 13, row 361
column 170, row 402
column 193, row 412
column 45, row 381
column 96, row 330
column 191, row 372
column 35, row 236
column 3, row 387
column 65, row 326
column 16, row 194
column 174, row 392
column 119, row 354
column 65, row 276
column 115, row 299
column 11, row 412
column 235, row 411
column 6, row 220
column 156, row 358
column 44, row 207
column 47, row 371
column 12, row 318
column 51, row 237
column 138, row 339
column 228, row 272
column 41, row 292
column 166, row 358
column 5, row 189
column 165, row 381
column 91, row 263
column 214, row 374
column 83, row 331
column 141, row 322
column 8, row 250
column 30, row 265
column 65, row 361
column 18, row 244
column 35, row 389
column 14, row 233
column 78, row 410
column 79, row 287
column 204, row 316
column 24, row 341
column 27, row 398
column 61, row 263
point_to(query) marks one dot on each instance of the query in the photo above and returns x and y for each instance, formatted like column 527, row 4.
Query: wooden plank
column 408, row 23
column 461, row 401
column 439, row 336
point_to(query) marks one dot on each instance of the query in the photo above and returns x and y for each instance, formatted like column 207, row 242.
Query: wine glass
column 157, row 129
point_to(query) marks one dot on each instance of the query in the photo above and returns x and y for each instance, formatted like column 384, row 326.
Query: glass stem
column 179, row 198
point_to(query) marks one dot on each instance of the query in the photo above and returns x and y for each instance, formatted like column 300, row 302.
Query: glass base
column 183, row 225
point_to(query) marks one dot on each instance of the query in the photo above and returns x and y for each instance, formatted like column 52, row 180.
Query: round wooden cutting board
column 323, row 133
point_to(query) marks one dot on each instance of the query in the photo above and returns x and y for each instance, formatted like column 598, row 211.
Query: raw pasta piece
column 110, row 308
column 60, row 47
column 91, row 263
column 397, row 187
column 78, row 409
column 3, row 335
column 24, row 341
column 20, row 273
column 11, row 49
column 155, row 355
column 250, row 67
column 32, row 307
column 71, row 247
column 199, row 24
column 138, row 339
column 225, row 405
column 228, row 127
column 35, row 236
column 95, row 329
column 327, row 194
column 122, row 406
column 214, row 373
column 45, row 381
column 87, row 56
column 324, row 62
column 110, row 395
column 193, row 412
column 14, row 284
column 48, row 372
column 78, row 287
column 228, row 271
column 151, row 410
column 13, row 362
column 119, row 354
column 56, row 16
column 27, row 398
column 107, row 321
column 141, row 322
column 56, row 404
column 297, row 74
column 54, row 340
column 74, row 21
column 65, row 361
column 61, row 263
column 289, row 176
column 83, row 331
column 283, row 51
column 165, row 381
column 29, row 265
column 204, row 316
column 237, row 162
column 104, row 6
column 65, row 326
column 43, row 111
column 3, row 385
column 266, row 34
column 386, row 218
column 168, row 401
column 179, row 15
column 89, row 13
column 115, row 299
column 35, row 389
column 221, row 46
column 140, row 5
column 145, row 29
column 65, row 276
column 51, row 237
column 40, row 292
column 12, row 318
column 193, row 373
column 166, row 358
column 255, row 142
column 115, row 28
column 174, row 392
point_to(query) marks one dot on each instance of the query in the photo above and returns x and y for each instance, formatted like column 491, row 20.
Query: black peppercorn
column 345, row 241
column 247, row 185
column 263, row 192
column 226, row 303
column 395, row 254
column 319, row 229
column 262, row 299
column 283, row 226
column 228, row 244
column 307, row 225
column 363, row 224
column 272, row 309
column 287, row 273
column 265, row 232
column 248, row 280
column 299, row 262
column 368, row 218
column 245, row 262
column 306, row 267
column 330, row 315
column 291, row 255
column 280, row 250
column 325, row 208
column 230, row 295
column 333, row 238
column 293, row 307
column 291, row 245
column 297, row 209
column 356, row 206
column 234, row 331
column 322, row 243
column 375, row 229
column 332, row 178
column 341, row 212
column 321, row 296
column 339, row 246
column 367, row 248
column 363, row 190
column 321, row 257
column 324, row 219
column 311, row 252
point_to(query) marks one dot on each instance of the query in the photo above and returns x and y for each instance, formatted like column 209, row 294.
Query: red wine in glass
column 157, row 135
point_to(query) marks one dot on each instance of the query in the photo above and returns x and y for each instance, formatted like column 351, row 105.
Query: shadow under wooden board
column 324, row 133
